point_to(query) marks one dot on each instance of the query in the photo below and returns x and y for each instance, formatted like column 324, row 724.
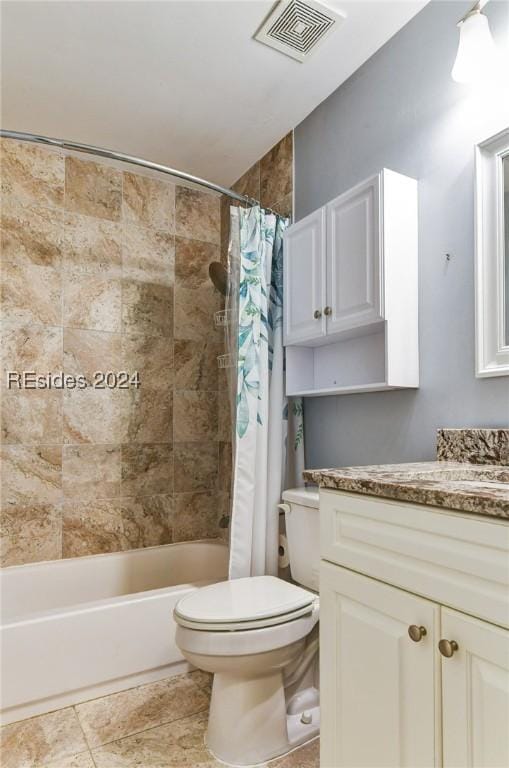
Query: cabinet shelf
column 351, row 389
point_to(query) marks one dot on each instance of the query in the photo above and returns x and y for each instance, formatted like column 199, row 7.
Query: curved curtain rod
column 121, row 157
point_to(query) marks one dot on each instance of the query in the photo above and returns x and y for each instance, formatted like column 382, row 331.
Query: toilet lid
column 256, row 599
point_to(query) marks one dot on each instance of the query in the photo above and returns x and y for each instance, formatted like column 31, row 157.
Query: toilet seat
column 244, row 604
column 211, row 642
column 240, row 626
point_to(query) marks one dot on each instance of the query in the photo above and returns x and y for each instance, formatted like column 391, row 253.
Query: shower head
column 219, row 276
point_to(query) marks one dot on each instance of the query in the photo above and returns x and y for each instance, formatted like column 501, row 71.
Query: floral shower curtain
column 269, row 436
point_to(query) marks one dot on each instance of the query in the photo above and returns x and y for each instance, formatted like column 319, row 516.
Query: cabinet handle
column 447, row 647
column 327, row 311
column 317, row 314
column 416, row 633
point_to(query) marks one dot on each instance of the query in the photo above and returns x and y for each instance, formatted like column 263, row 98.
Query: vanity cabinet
column 414, row 633
column 350, row 284
column 475, row 693
column 369, row 667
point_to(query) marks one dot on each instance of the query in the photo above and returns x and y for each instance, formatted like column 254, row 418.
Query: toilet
column 259, row 637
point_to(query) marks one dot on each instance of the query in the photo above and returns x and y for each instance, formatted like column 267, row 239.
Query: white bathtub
column 72, row 630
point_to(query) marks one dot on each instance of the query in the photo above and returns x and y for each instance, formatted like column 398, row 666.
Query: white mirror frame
column 492, row 349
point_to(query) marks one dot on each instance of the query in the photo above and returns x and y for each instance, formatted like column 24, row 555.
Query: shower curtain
column 269, row 432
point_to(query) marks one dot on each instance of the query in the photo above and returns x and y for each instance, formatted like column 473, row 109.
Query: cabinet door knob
column 327, row 311
column 416, row 633
column 447, row 647
column 317, row 314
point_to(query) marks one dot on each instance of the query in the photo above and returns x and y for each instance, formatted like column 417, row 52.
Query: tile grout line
column 83, row 732
column 152, row 727
column 172, row 521
column 62, row 288
column 125, row 690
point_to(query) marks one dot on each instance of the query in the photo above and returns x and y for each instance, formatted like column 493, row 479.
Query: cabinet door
column 354, row 258
column 378, row 688
column 475, row 690
column 304, row 279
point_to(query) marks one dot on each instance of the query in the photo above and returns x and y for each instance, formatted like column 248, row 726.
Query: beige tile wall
column 269, row 180
column 107, row 270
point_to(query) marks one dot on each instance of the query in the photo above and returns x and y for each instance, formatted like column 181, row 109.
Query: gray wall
column 401, row 110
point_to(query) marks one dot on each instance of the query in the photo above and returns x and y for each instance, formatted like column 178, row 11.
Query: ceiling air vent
column 296, row 27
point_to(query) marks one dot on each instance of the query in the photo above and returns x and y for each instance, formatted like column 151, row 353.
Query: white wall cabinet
column 408, row 677
column 305, row 279
column 353, row 288
column 350, row 283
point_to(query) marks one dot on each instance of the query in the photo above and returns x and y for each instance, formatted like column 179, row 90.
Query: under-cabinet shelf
column 354, row 389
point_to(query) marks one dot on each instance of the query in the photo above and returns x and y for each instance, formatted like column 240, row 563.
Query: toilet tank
column 303, row 534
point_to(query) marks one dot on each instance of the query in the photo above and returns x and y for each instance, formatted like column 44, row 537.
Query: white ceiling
column 179, row 82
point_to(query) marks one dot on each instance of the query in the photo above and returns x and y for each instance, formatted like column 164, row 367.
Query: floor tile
column 307, row 756
column 43, row 740
column 83, row 760
column 161, row 725
column 202, row 679
column 175, row 745
column 129, row 712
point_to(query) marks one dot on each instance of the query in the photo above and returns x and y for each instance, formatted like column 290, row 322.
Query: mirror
column 492, row 256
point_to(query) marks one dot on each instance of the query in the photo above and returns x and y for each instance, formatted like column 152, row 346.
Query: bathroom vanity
column 414, row 609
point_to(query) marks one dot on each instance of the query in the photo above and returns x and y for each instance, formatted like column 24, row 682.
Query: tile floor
column 159, row 725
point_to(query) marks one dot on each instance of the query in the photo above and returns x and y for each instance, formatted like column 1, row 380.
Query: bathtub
column 76, row 629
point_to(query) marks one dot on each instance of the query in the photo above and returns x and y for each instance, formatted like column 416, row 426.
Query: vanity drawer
column 455, row 559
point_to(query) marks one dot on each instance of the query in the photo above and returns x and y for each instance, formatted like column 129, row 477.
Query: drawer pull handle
column 447, row 648
column 317, row 314
column 327, row 311
column 416, row 633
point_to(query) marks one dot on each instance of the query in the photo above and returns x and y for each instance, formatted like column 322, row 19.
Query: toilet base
column 249, row 723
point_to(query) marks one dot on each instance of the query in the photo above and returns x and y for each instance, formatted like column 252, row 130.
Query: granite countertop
column 477, row 483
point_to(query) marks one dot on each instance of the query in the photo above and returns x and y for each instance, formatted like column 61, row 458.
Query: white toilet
column 259, row 636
